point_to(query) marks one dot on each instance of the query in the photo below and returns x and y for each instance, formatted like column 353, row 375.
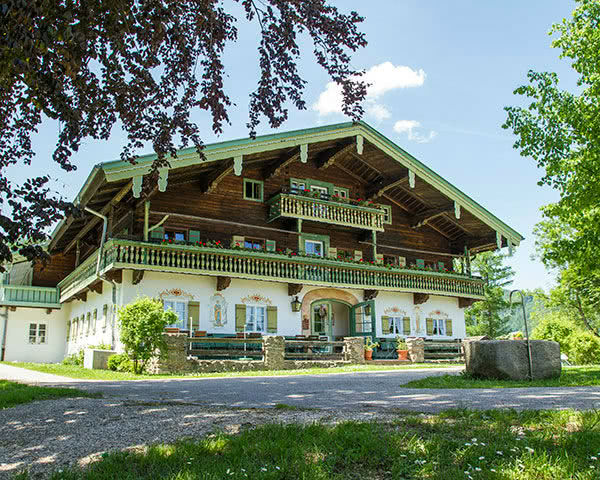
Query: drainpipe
column 101, row 277
column 5, row 316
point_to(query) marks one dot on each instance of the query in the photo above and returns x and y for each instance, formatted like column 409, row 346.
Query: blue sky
column 442, row 73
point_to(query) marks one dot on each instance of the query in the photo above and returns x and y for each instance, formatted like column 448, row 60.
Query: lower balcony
column 276, row 267
column 29, row 296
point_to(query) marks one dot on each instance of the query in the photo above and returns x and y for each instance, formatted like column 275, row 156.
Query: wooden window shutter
column 270, row 246
column 237, row 241
column 449, row 327
column 194, row 314
column 402, row 261
column 194, row 236
column 272, row 319
column 429, row 323
column 385, row 325
column 420, row 262
column 379, row 258
column 332, row 252
column 240, row 317
column 441, row 265
column 358, row 255
column 406, row 326
column 158, row 233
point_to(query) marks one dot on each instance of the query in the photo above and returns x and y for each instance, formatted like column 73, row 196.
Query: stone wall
column 176, row 359
column 416, row 349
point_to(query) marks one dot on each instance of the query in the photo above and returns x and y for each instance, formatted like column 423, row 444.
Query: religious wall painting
column 218, row 310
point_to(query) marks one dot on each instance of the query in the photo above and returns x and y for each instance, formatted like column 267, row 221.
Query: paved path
column 349, row 391
column 8, row 372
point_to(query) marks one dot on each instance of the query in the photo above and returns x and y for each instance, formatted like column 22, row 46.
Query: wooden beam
column 276, row 168
column 327, row 159
column 96, row 287
column 115, row 275
column 352, row 174
column 396, row 202
column 138, row 275
column 423, row 218
column 466, row 302
column 215, row 179
column 294, row 289
column 223, row 283
column 419, row 298
column 95, row 220
column 382, row 187
column 474, row 242
column 370, row 294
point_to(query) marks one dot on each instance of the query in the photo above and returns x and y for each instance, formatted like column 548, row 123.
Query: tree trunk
column 583, row 316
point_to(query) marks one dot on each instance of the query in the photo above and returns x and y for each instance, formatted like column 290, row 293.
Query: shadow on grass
column 453, row 445
column 14, row 393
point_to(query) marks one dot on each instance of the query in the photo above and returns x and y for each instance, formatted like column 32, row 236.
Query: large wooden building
column 332, row 231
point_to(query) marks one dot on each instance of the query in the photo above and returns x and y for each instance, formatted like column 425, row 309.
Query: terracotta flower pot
column 402, row 354
column 368, row 354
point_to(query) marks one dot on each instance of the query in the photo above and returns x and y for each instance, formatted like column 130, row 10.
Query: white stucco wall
column 18, row 348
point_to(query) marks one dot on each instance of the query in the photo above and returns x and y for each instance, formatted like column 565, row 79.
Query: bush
column 74, row 359
column 554, row 327
column 585, row 348
column 120, row 362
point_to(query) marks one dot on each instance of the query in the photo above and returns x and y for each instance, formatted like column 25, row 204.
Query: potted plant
column 401, row 348
column 369, row 346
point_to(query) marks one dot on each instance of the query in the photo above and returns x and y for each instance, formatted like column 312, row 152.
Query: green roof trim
column 119, row 170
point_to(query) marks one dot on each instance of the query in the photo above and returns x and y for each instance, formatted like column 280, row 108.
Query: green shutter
column 270, row 245
column 237, row 241
column 358, row 255
column 379, row 258
column 194, row 314
column 406, row 326
column 272, row 319
column 429, row 323
column 441, row 265
column 193, row 236
column 420, row 262
column 158, row 233
column 240, row 317
column 385, row 325
column 332, row 252
column 449, row 327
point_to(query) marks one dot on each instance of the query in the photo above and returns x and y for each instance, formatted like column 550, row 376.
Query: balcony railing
column 28, row 296
column 319, row 210
column 124, row 254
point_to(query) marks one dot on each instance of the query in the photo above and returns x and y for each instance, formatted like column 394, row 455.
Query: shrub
column 142, row 325
column 558, row 329
column 74, row 359
column 584, row 348
column 120, row 362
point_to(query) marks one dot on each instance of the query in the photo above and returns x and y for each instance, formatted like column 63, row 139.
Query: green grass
column 73, row 371
column 570, row 377
column 13, row 393
column 458, row 444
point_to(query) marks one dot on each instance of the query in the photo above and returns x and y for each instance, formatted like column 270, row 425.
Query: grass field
column 13, row 393
column 458, row 444
column 571, row 377
column 73, row 371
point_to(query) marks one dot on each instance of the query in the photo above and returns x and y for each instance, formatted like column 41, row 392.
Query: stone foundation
column 177, row 361
column 416, row 349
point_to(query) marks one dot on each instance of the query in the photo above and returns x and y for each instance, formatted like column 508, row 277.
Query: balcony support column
column 146, row 219
column 374, row 240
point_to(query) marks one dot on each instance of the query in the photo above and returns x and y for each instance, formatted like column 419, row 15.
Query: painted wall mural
column 257, row 298
column 438, row 314
column 176, row 292
column 218, row 310
column 395, row 312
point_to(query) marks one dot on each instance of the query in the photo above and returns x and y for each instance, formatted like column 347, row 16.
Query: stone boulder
column 507, row 359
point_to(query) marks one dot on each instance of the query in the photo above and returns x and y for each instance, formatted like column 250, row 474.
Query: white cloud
column 379, row 112
column 410, row 128
column 381, row 78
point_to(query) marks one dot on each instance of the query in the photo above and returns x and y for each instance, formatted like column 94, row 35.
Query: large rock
column 507, row 359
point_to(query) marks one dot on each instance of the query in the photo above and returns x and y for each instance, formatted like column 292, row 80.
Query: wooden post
column 146, row 219
column 77, row 253
column 111, row 221
column 468, row 260
column 374, row 240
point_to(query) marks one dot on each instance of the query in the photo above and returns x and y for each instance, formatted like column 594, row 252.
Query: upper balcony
column 320, row 207
column 29, row 296
column 267, row 266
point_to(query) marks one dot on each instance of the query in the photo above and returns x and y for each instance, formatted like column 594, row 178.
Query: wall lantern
column 368, row 309
column 296, row 305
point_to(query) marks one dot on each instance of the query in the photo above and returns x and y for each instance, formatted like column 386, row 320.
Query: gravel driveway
column 50, row 434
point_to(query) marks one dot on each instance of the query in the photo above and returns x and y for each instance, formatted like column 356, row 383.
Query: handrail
column 30, row 295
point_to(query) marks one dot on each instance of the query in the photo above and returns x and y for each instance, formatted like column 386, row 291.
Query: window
column 68, row 330
column 312, row 247
column 175, row 235
column 254, row 243
column 81, row 325
column 95, row 321
column 340, row 192
column 439, row 326
column 88, row 323
column 104, row 317
column 180, row 309
column 253, row 190
column 390, row 260
column 323, row 191
column 345, row 254
column 388, row 213
column 297, row 186
column 37, row 333
column 396, row 325
column 256, row 318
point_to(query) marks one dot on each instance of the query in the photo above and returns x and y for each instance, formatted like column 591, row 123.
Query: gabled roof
column 117, row 172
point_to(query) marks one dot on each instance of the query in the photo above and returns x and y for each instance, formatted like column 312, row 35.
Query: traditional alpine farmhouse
column 331, row 231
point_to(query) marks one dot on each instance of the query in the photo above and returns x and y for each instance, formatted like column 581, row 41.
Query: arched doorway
column 330, row 318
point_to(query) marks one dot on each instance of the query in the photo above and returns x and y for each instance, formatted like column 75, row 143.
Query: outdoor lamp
column 296, row 305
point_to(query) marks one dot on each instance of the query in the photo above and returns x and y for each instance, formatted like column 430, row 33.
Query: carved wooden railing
column 124, row 254
column 319, row 210
column 29, row 296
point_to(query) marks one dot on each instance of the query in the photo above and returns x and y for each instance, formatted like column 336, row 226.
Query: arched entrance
column 330, row 318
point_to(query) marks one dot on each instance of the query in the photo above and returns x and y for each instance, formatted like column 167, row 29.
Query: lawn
column 458, row 444
column 73, row 371
column 13, row 393
column 571, row 377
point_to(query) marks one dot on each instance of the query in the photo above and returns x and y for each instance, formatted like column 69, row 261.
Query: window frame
column 253, row 182
column 175, row 231
column 436, row 327
column 338, row 190
column 388, row 214
column 248, row 315
column 36, row 336
column 256, row 240
column 314, row 242
column 174, row 310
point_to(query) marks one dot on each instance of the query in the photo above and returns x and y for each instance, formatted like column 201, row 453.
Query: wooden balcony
column 125, row 254
column 28, row 296
column 326, row 211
